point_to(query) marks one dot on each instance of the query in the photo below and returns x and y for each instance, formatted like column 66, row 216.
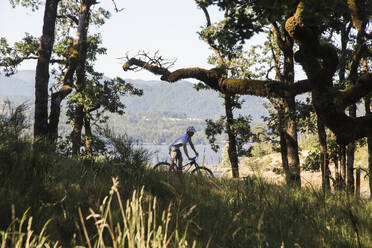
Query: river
column 160, row 153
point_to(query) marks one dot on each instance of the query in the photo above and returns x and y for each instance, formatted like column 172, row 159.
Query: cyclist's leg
column 173, row 156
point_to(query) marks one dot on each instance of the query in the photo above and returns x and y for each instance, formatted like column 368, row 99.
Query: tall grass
column 20, row 234
column 138, row 227
column 201, row 212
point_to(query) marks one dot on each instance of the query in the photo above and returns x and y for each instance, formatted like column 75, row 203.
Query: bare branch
column 207, row 17
column 116, row 8
column 209, row 40
column 155, row 63
column 214, row 79
column 277, row 35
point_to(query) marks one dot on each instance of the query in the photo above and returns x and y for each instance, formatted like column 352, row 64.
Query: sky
column 167, row 26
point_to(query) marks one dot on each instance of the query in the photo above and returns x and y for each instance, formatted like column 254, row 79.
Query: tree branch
column 116, row 8
column 278, row 36
column 133, row 63
column 329, row 103
column 209, row 40
column 71, row 17
column 264, row 88
column 356, row 91
column 214, row 79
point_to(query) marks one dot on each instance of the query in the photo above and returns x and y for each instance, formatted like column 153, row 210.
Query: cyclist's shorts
column 176, row 155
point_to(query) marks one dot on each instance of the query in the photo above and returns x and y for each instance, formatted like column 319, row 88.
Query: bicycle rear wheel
column 202, row 171
column 163, row 166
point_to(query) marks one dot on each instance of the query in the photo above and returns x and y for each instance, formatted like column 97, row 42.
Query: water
column 161, row 153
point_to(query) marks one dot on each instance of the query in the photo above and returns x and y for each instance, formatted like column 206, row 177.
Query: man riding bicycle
column 181, row 141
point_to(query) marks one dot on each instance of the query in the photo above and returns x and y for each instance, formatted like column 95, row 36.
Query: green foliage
column 242, row 133
column 11, row 57
column 99, row 97
column 213, row 129
column 13, row 142
column 250, row 63
column 312, row 161
column 225, row 157
column 33, row 4
column 261, row 144
column 275, row 120
column 68, row 11
column 230, row 33
column 308, row 141
column 125, row 151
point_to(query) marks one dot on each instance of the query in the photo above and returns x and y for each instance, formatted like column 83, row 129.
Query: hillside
column 181, row 97
column 158, row 96
column 162, row 112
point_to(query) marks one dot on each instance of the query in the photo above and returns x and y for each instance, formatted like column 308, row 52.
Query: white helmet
column 191, row 129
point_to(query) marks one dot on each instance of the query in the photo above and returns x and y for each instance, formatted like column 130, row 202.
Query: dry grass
column 138, row 227
column 269, row 167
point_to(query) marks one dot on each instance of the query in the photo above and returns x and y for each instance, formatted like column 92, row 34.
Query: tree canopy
column 308, row 20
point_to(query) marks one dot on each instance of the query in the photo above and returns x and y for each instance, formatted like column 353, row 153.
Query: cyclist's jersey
column 179, row 141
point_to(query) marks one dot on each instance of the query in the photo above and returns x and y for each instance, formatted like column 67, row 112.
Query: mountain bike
column 191, row 167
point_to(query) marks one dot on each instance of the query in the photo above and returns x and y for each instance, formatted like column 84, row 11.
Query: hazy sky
column 169, row 26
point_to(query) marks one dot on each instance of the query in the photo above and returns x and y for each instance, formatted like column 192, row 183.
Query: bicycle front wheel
column 202, row 171
column 163, row 166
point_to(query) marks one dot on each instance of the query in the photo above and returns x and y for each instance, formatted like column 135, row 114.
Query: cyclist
column 181, row 141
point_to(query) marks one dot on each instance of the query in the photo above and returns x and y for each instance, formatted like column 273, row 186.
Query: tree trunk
column 369, row 141
column 357, row 182
column 233, row 154
column 289, row 146
column 283, row 153
column 343, row 163
column 76, row 132
column 367, row 105
column 42, row 70
column 77, row 56
column 350, row 156
column 80, row 86
column 291, row 143
column 88, row 136
column 324, row 162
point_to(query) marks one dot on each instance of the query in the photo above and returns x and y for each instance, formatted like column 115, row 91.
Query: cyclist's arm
column 185, row 150
column 192, row 147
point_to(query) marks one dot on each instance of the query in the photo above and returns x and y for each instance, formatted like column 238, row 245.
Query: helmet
column 191, row 129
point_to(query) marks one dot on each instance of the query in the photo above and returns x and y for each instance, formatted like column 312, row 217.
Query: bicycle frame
column 186, row 167
column 190, row 167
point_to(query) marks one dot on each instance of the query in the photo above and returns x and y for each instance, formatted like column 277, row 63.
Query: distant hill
column 158, row 96
column 18, row 87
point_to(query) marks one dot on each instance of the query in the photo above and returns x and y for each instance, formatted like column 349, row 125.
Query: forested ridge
column 158, row 97
column 158, row 116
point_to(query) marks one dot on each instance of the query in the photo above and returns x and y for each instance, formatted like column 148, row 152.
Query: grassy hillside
column 146, row 208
